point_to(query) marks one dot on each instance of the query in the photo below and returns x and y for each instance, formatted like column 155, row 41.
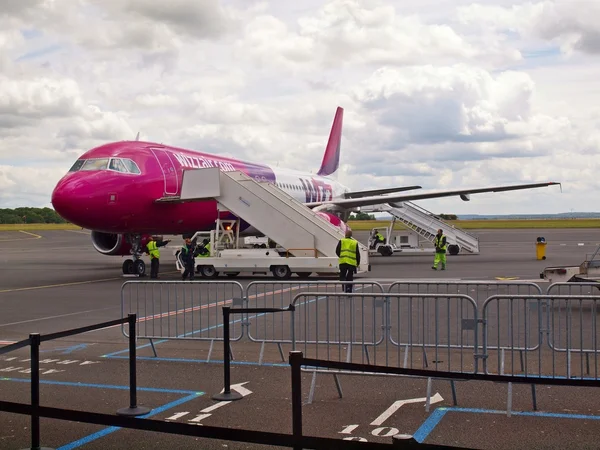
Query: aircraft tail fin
column 331, row 159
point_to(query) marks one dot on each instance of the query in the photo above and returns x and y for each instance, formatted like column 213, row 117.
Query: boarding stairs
column 295, row 227
column 425, row 224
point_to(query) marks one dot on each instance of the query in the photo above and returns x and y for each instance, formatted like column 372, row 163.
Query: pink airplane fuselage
column 117, row 202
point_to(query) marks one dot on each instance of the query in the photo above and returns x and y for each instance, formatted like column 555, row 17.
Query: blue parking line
column 432, row 421
column 435, row 418
column 104, row 386
column 109, row 430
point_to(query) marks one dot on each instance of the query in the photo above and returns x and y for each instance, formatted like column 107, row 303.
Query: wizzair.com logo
column 316, row 190
column 200, row 162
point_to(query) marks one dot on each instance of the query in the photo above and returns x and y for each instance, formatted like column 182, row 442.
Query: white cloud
column 573, row 25
column 444, row 94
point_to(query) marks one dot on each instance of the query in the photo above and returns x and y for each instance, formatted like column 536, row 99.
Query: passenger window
column 75, row 167
column 117, row 165
column 131, row 166
column 95, row 164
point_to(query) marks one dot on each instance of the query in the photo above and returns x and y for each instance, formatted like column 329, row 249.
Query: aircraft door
column 169, row 171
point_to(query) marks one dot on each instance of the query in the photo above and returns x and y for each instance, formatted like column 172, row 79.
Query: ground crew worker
column 440, row 250
column 154, row 253
column 187, row 256
column 349, row 259
column 379, row 238
column 204, row 249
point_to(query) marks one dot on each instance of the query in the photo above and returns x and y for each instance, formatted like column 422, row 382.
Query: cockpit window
column 131, row 166
column 122, row 165
column 95, row 164
column 75, row 167
column 117, row 165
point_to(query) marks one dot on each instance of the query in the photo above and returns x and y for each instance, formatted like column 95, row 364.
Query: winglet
column 331, row 159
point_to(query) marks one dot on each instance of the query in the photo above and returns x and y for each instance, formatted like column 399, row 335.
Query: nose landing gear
column 135, row 266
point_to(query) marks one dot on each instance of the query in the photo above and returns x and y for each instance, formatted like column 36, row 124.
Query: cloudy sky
column 446, row 94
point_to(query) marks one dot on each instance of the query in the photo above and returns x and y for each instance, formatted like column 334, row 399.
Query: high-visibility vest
column 206, row 255
column 348, row 252
column 437, row 241
column 153, row 250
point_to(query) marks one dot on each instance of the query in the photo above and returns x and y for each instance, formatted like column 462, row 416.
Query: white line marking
column 399, row 403
column 177, row 416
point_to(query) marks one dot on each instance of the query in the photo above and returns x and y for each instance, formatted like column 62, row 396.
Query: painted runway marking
column 190, row 395
column 56, row 317
column 16, row 367
column 32, row 236
column 48, row 286
column 436, row 417
column 399, row 403
column 7, row 342
column 207, row 412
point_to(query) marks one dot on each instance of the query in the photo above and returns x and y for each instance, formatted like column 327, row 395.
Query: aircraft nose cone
column 71, row 197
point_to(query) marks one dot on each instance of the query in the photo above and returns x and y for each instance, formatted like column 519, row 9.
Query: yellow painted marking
column 507, row 278
column 36, row 236
column 33, row 236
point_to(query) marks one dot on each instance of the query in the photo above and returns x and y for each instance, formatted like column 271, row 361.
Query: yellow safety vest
column 438, row 240
column 206, row 255
column 153, row 250
column 348, row 252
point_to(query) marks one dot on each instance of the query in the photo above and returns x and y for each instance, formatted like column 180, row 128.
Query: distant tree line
column 30, row 215
column 448, row 216
column 361, row 216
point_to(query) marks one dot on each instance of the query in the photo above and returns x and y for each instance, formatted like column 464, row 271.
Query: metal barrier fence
column 265, row 294
column 182, row 310
column 420, row 328
column 477, row 290
column 413, row 324
column 569, row 322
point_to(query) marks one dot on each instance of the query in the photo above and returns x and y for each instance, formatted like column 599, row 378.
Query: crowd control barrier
column 34, row 341
column 462, row 326
column 180, row 310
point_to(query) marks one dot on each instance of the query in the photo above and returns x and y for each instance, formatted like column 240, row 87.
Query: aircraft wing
column 463, row 193
column 357, row 194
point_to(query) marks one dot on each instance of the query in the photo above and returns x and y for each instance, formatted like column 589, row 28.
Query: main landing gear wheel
column 128, row 267
column 282, row 272
column 139, row 267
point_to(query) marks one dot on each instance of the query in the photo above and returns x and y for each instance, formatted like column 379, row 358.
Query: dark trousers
column 347, row 274
column 189, row 270
column 154, row 263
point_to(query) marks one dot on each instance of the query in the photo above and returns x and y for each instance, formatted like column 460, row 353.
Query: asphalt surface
column 52, row 281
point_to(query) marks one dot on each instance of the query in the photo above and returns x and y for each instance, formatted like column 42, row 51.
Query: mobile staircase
column 308, row 239
column 426, row 224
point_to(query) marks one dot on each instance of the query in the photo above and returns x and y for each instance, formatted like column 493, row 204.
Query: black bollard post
column 226, row 394
column 34, row 342
column 134, row 409
column 296, row 363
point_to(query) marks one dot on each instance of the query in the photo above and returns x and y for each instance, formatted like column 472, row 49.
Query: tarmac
column 52, row 281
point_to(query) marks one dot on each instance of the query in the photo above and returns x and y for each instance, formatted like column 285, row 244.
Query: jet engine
column 114, row 244
column 110, row 244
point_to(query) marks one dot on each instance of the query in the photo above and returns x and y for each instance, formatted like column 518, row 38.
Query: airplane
column 120, row 192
